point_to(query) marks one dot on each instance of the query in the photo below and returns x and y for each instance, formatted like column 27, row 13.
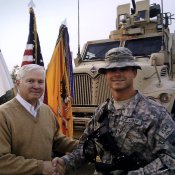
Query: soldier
column 129, row 133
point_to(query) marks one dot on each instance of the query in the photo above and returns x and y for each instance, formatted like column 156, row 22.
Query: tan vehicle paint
column 145, row 31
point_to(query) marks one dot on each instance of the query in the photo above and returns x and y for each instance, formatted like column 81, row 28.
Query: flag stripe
column 28, row 58
column 28, row 52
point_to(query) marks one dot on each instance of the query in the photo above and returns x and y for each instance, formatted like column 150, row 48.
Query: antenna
column 163, row 47
column 133, row 10
column 78, row 54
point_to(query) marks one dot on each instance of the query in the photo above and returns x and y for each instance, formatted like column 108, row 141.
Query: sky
column 97, row 19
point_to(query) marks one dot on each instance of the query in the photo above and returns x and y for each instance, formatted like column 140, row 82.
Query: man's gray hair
column 27, row 68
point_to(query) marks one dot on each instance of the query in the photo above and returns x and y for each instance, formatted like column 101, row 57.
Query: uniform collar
column 128, row 108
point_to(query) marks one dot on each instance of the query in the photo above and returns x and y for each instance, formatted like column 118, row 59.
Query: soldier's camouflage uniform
column 142, row 126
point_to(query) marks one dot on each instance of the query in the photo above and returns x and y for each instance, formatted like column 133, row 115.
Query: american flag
column 32, row 53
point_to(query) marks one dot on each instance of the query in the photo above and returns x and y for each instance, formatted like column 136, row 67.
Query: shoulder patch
column 166, row 130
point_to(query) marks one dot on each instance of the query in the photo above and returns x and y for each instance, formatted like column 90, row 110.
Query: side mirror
column 157, row 59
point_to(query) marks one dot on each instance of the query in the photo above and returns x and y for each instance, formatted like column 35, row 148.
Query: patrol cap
column 118, row 58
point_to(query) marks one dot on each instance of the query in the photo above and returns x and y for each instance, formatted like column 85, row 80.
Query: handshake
column 54, row 167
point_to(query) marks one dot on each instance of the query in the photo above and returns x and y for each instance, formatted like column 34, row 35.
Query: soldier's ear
column 105, row 76
column 135, row 72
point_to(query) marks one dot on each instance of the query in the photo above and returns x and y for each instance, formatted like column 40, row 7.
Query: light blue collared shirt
column 33, row 111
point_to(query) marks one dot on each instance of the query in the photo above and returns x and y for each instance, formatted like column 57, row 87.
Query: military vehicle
column 144, row 29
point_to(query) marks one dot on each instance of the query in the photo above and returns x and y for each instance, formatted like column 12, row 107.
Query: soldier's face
column 31, row 86
column 121, row 79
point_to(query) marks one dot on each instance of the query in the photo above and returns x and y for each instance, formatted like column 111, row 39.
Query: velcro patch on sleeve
column 166, row 130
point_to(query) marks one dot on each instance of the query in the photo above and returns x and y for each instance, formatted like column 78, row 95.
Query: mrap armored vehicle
column 144, row 29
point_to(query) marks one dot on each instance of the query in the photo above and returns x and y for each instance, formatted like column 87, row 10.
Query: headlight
column 164, row 97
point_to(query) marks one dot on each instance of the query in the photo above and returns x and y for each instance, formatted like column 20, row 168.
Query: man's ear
column 17, row 82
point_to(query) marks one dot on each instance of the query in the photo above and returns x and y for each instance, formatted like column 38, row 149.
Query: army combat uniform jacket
column 141, row 126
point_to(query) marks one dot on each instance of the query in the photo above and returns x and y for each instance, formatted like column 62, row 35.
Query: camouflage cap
column 117, row 58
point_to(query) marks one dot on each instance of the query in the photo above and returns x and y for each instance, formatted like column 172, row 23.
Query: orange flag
column 59, row 82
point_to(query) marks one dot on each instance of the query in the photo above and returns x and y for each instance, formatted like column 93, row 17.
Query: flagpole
column 78, row 54
column 31, row 4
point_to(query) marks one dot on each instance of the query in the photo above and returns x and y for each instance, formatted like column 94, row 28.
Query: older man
column 129, row 133
column 29, row 131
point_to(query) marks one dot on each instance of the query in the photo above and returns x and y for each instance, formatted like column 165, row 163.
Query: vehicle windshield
column 144, row 46
column 97, row 51
column 139, row 47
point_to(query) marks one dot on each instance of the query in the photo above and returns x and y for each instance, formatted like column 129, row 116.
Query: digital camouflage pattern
column 141, row 126
column 117, row 58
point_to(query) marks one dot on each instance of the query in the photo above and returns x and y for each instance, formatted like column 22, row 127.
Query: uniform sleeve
column 163, row 149
column 11, row 163
column 76, row 159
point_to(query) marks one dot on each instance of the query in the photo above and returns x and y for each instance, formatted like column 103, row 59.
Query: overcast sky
column 97, row 19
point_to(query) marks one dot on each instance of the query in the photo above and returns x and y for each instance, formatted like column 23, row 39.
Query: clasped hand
column 56, row 167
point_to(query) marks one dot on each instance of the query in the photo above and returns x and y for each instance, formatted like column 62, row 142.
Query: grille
column 82, row 89
column 163, row 72
column 89, row 90
column 103, row 91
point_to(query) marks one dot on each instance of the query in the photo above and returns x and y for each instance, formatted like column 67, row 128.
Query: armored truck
column 144, row 29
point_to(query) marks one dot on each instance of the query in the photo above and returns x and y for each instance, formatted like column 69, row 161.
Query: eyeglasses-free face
column 121, row 78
